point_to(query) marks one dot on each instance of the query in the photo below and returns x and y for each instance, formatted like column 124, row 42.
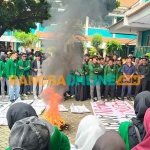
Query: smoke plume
column 68, row 53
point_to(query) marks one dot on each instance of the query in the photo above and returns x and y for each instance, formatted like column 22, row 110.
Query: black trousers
column 119, row 89
column 110, row 89
column 142, row 85
column 102, row 89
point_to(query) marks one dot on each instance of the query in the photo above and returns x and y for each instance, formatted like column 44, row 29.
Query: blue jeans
column 129, row 87
column 14, row 88
column 72, row 90
column 3, row 82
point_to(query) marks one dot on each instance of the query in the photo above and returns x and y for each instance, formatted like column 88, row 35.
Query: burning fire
column 52, row 100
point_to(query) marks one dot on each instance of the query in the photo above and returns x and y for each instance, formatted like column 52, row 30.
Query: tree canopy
column 22, row 14
column 26, row 39
column 97, row 40
column 113, row 46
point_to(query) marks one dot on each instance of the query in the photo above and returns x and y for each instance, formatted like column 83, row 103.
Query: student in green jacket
column 37, row 134
column 11, row 70
column 94, row 70
column 110, row 77
column 119, row 74
column 3, row 79
column 80, row 88
column 86, row 70
column 102, row 67
column 24, row 73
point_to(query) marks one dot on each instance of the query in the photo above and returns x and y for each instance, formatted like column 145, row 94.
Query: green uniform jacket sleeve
column 1, row 68
column 28, row 66
column 59, row 141
column 7, row 66
column 91, row 68
column 105, row 74
column 86, row 68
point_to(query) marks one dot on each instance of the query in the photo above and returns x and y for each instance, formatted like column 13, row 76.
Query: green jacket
column 119, row 68
column 86, row 68
column 102, row 70
column 80, row 75
column 93, row 68
column 123, row 131
column 2, row 67
column 25, row 69
column 11, row 69
column 110, row 73
column 58, row 141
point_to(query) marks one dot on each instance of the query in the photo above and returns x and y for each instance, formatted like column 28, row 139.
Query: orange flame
column 53, row 99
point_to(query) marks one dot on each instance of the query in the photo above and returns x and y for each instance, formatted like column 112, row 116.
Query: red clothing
column 145, row 144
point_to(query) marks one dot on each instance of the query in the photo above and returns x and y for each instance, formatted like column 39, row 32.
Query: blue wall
column 144, row 37
column 106, row 33
column 51, row 28
column 91, row 31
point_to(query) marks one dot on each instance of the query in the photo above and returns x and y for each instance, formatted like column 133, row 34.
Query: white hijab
column 89, row 130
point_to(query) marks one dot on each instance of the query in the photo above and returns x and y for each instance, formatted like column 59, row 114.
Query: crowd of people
column 110, row 69
column 30, row 132
column 97, row 79
column 18, row 72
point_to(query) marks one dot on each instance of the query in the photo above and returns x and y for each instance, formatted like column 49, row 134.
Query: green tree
column 22, row 14
column 97, row 40
column 27, row 39
column 113, row 46
column 93, row 51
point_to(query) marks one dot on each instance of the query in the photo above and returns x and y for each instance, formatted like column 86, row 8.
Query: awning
column 5, row 38
column 135, row 20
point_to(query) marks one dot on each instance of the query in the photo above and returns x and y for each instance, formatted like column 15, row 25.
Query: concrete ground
column 71, row 119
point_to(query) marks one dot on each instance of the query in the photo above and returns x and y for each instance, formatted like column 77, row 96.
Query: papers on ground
column 113, row 113
column 79, row 109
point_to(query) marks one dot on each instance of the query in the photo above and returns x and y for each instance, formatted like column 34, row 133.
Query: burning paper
column 53, row 99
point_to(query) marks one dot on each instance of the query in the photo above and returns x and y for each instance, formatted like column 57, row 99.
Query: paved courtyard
column 70, row 118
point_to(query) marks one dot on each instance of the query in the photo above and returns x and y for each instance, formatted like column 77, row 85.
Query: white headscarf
column 89, row 130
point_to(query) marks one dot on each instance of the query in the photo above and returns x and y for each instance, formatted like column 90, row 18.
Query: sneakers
column 35, row 97
column 113, row 100
column 28, row 93
column 18, row 99
column 67, row 95
column 100, row 102
column 106, row 100
column 95, row 98
column 129, row 98
column 3, row 96
column 72, row 96
column 12, row 101
column 119, row 98
column 25, row 95
column 122, row 98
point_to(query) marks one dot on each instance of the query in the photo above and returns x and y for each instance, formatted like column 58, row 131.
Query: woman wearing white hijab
column 89, row 130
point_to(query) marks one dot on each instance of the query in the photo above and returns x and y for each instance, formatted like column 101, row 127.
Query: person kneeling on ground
column 33, row 133
column 19, row 111
column 134, row 132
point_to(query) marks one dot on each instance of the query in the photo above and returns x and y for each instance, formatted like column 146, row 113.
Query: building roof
column 49, row 35
column 127, row 3
column 136, row 10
